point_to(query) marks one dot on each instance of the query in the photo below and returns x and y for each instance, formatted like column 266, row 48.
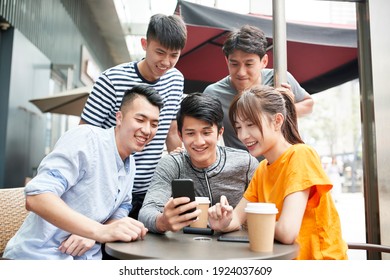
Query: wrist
column 161, row 225
column 98, row 233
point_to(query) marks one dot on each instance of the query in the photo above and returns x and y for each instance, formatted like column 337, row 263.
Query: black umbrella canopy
column 319, row 56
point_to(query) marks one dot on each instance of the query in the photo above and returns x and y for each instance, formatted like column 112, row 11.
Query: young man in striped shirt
column 165, row 38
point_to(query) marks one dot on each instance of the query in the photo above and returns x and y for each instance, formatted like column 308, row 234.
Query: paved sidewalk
column 351, row 210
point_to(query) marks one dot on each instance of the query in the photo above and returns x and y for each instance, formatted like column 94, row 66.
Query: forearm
column 289, row 224
column 148, row 215
column 159, row 193
column 305, row 107
column 173, row 140
column 239, row 216
column 54, row 210
column 155, row 199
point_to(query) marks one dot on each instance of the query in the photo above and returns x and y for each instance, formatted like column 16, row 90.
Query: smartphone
column 235, row 236
column 184, row 188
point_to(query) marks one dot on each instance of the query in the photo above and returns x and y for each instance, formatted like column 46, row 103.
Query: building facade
column 44, row 49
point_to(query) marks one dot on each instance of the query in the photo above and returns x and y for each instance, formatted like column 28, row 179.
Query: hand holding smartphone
column 184, row 188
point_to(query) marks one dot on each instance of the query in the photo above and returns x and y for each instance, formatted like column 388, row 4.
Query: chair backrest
column 12, row 213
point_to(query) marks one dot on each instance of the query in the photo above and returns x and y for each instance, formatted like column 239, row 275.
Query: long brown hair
column 264, row 102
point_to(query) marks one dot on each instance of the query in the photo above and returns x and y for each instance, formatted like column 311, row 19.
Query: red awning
column 318, row 56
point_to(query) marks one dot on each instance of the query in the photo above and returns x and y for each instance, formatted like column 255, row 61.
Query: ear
column 220, row 133
column 119, row 118
column 227, row 61
column 279, row 119
column 264, row 60
column 144, row 43
column 180, row 135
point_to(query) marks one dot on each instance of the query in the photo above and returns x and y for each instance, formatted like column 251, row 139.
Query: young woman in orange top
column 291, row 176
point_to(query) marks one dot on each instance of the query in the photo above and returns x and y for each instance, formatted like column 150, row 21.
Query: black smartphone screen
column 184, row 188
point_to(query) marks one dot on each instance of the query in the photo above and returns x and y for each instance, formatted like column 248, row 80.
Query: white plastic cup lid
column 261, row 208
column 202, row 199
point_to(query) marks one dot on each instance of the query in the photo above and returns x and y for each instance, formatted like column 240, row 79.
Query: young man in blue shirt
column 81, row 196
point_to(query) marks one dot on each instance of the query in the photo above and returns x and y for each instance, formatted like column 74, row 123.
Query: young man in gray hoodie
column 215, row 170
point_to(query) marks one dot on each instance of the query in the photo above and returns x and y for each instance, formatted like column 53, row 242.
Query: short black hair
column 169, row 31
column 202, row 107
column 248, row 39
column 148, row 92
